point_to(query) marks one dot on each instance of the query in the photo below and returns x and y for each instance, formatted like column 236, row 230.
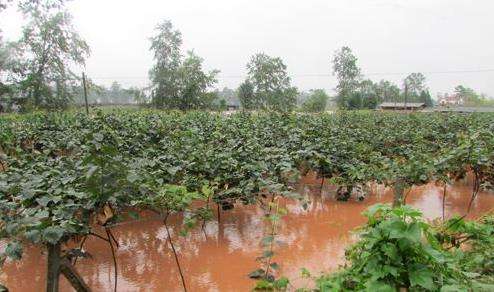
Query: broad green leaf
column 421, row 276
column 14, row 250
column 53, row 234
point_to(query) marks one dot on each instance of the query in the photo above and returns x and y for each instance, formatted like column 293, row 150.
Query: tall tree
column 470, row 96
column 426, row 98
column 272, row 85
column 415, row 89
column 178, row 82
column 387, row 91
column 316, row 101
column 415, row 83
column 194, row 83
column 9, row 66
column 348, row 74
column 369, row 95
column 167, row 56
column 51, row 46
column 247, row 96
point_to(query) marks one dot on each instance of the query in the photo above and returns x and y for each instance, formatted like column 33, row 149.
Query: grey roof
column 402, row 104
column 234, row 101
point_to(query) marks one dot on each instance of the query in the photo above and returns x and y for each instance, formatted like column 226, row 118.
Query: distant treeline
column 36, row 71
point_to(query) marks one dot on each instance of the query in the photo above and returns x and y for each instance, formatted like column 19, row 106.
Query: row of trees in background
column 356, row 92
column 180, row 82
column 35, row 71
column 473, row 98
column 114, row 94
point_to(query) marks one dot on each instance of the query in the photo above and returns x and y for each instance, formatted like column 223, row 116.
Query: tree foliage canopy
column 178, row 82
column 316, row 102
column 247, row 96
column 473, row 98
column 355, row 92
column 39, row 65
column 348, row 74
column 271, row 83
column 51, row 45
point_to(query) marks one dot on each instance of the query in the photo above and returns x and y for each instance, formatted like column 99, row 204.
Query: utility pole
column 406, row 94
column 85, row 91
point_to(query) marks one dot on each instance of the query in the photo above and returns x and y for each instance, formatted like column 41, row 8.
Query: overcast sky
column 390, row 37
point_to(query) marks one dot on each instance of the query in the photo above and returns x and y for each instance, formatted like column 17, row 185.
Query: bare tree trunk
column 73, row 277
column 475, row 191
column 53, row 268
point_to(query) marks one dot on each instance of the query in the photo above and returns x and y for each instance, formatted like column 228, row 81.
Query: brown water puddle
column 220, row 260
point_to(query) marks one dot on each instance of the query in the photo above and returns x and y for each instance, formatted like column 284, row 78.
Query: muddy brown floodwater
column 221, row 258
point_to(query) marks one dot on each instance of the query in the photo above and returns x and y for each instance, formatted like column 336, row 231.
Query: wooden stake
column 475, row 191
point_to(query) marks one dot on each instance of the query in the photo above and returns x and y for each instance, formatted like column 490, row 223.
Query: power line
column 330, row 75
column 304, row 75
column 436, row 72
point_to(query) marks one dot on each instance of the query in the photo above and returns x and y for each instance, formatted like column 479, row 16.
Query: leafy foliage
column 63, row 173
column 348, row 73
column 471, row 97
column 354, row 92
column 316, row 102
column 397, row 249
column 266, row 275
column 247, row 96
column 39, row 66
column 178, row 82
column 272, row 85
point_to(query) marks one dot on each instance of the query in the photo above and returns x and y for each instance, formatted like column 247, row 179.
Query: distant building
column 401, row 106
column 4, row 105
column 450, row 99
column 233, row 103
column 233, row 107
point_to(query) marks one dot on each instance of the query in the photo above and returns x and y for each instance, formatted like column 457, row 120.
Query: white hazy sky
column 388, row 36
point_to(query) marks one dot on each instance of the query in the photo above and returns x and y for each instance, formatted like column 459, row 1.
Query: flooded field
column 220, row 257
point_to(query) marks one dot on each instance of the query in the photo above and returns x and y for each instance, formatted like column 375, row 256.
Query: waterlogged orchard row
column 220, row 256
column 63, row 174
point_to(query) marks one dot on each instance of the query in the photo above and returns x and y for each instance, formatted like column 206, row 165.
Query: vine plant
column 60, row 172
